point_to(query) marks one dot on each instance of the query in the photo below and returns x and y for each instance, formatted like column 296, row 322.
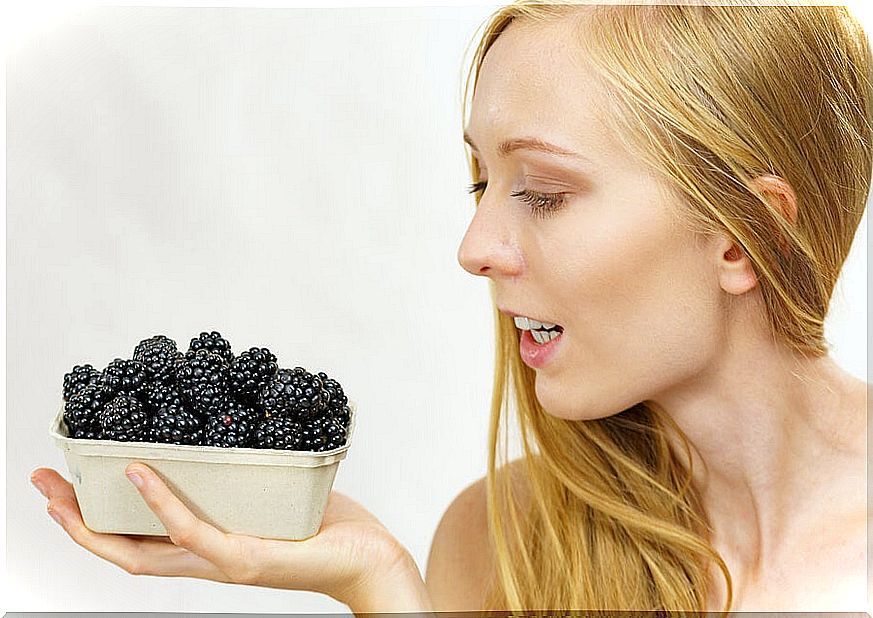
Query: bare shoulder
column 461, row 558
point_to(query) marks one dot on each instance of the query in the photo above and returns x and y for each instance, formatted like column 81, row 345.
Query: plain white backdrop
column 294, row 178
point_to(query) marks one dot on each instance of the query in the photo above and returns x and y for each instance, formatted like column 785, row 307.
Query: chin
column 570, row 408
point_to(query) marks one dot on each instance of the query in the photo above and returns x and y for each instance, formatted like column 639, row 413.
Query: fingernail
column 136, row 479
column 40, row 487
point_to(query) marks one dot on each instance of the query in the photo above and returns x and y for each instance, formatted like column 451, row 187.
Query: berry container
column 268, row 493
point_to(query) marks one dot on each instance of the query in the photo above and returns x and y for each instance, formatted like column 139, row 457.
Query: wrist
column 397, row 588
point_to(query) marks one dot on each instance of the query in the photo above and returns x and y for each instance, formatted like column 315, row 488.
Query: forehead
column 535, row 80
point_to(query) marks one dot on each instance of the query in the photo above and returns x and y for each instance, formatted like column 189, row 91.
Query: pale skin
column 653, row 312
column 645, row 312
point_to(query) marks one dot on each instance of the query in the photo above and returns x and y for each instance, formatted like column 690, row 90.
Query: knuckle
column 184, row 536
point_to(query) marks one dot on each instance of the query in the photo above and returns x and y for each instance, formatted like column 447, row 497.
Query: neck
column 769, row 432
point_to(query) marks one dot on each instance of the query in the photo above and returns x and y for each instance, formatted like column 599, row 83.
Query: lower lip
column 536, row 355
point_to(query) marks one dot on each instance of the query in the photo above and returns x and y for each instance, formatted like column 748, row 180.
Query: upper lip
column 513, row 314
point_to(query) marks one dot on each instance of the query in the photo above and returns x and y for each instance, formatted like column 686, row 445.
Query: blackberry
column 277, row 396
column 232, row 427
column 212, row 342
column 159, row 355
column 313, row 436
column 95, row 432
column 250, row 372
column 337, row 397
column 125, row 419
column 158, row 395
column 124, row 377
column 173, row 424
column 342, row 417
column 335, row 433
column 207, row 399
column 201, row 368
column 278, row 432
column 78, row 378
column 295, row 393
column 82, row 412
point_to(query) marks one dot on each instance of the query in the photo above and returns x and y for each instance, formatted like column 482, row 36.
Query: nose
column 489, row 247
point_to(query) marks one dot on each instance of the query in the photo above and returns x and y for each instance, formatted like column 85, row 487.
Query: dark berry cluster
column 206, row 396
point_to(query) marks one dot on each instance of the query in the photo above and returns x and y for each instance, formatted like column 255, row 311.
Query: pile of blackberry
column 205, row 396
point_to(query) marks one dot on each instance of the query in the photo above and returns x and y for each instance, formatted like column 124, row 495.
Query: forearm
column 402, row 590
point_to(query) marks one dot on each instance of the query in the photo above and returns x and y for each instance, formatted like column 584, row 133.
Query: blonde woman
column 673, row 191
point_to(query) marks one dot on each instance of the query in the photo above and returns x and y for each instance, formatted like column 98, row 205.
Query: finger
column 46, row 480
column 184, row 528
column 52, row 485
column 135, row 554
column 138, row 556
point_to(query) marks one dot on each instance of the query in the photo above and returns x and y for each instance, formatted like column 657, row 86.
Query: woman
column 673, row 190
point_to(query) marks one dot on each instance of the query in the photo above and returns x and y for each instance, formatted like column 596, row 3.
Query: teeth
column 525, row 323
column 544, row 337
column 529, row 323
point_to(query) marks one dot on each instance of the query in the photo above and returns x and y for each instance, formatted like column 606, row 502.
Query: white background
column 291, row 177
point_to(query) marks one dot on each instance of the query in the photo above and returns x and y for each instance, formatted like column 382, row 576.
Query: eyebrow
column 528, row 143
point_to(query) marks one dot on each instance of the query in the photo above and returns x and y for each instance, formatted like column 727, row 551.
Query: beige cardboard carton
column 259, row 492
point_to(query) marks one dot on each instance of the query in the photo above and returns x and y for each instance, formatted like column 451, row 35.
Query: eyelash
column 542, row 205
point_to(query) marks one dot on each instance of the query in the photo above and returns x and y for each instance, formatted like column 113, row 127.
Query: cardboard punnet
column 267, row 493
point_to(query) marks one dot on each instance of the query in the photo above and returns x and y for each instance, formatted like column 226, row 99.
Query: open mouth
column 545, row 335
column 541, row 332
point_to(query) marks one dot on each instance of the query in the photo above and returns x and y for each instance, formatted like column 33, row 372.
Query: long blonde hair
column 710, row 97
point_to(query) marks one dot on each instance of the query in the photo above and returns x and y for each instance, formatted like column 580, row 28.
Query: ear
column 779, row 193
column 735, row 272
column 781, row 197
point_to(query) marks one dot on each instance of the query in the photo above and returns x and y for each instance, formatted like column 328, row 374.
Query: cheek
column 643, row 316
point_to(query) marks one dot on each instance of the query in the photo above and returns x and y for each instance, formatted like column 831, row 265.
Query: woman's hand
column 353, row 558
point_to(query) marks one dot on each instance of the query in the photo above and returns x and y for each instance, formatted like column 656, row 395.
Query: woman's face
column 635, row 293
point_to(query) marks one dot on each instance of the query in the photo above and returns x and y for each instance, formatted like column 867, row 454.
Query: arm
column 353, row 558
column 400, row 589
